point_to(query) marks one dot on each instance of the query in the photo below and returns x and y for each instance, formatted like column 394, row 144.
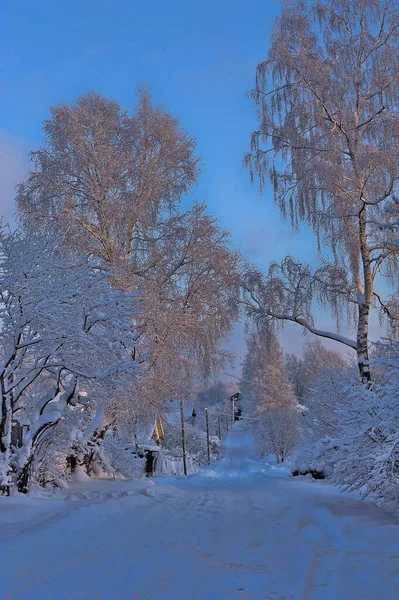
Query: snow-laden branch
column 319, row 332
column 63, row 327
column 287, row 292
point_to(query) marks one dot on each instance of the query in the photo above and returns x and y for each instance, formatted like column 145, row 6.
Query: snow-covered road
column 234, row 531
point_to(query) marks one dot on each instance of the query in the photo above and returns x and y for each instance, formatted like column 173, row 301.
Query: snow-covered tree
column 264, row 375
column 278, row 430
column 66, row 336
column 323, row 377
column 350, row 431
column 216, row 398
column 112, row 183
column 196, row 443
column 294, row 366
column 272, row 405
column 327, row 98
column 317, row 359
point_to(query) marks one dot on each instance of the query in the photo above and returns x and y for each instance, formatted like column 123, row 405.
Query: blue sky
column 198, row 59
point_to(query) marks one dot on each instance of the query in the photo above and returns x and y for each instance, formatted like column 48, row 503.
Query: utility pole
column 208, row 441
column 233, row 416
column 183, row 437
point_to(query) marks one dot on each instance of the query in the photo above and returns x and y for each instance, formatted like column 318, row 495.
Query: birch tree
column 328, row 139
column 272, row 399
column 112, row 182
column 264, row 375
column 303, row 372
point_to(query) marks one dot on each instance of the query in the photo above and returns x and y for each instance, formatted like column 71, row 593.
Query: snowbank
column 23, row 512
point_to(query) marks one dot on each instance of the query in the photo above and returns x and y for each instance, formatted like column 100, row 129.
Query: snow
column 22, row 513
column 240, row 529
column 172, row 466
column 80, row 475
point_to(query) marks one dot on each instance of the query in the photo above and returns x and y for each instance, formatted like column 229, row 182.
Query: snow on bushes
column 351, row 431
column 67, row 336
column 196, row 444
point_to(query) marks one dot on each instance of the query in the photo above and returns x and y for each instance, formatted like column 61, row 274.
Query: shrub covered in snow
column 122, row 455
column 368, row 447
column 196, row 443
column 277, row 432
column 351, row 431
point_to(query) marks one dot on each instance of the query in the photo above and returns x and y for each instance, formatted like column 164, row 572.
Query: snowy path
column 233, row 531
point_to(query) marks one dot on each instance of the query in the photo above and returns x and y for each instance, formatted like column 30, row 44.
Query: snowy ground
column 234, row 531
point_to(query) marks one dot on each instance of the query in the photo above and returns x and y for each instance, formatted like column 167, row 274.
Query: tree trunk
column 5, row 440
column 362, row 344
column 24, row 476
column 365, row 295
column 92, row 446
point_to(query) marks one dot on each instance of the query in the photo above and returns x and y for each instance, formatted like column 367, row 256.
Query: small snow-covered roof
column 149, row 446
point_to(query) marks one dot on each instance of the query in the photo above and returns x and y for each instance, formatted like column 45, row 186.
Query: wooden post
column 234, row 416
column 219, row 428
column 183, row 437
column 208, row 441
